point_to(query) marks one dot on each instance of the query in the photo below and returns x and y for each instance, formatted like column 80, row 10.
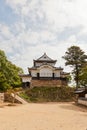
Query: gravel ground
column 45, row 116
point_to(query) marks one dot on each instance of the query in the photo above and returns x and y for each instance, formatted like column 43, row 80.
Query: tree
column 3, row 83
column 13, row 75
column 9, row 73
column 76, row 58
column 83, row 77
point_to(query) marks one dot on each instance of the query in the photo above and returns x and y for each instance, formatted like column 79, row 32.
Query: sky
column 28, row 28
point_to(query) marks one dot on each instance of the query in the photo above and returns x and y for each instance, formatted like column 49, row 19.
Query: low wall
column 1, row 97
column 82, row 101
column 9, row 98
column 44, row 83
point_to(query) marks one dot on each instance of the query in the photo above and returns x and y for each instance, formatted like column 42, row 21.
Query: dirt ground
column 46, row 116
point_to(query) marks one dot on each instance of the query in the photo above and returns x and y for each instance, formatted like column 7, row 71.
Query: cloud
column 62, row 13
column 57, row 14
column 15, row 4
column 5, row 31
column 43, row 26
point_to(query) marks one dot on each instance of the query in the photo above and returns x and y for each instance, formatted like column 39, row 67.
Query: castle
column 44, row 73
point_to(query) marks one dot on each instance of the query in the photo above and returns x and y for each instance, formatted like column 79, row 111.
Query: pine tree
column 76, row 58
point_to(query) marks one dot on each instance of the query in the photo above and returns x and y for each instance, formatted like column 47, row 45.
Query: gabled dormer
column 44, row 59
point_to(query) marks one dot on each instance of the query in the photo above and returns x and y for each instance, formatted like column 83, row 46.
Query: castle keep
column 44, row 73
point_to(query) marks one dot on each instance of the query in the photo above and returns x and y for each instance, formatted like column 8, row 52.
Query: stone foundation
column 50, row 83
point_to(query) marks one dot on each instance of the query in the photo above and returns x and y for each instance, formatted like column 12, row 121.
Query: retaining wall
column 82, row 101
column 44, row 83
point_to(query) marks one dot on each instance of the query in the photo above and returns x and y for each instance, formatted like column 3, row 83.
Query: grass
column 24, row 96
column 48, row 94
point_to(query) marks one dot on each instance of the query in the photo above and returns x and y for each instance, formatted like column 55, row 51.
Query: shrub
column 50, row 94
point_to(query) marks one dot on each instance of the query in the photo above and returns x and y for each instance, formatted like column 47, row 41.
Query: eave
column 48, row 61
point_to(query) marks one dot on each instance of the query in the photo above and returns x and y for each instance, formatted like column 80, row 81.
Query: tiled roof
column 24, row 75
column 35, row 67
column 44, row 57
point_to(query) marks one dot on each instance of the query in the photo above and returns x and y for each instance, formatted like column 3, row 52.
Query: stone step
column 21, row 100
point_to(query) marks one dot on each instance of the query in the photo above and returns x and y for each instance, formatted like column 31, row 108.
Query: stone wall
column 9, row 98
column 1, row 97
column 51, row 83
column 82, row 102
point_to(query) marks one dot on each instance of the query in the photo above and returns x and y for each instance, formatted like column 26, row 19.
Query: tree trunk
column 77, row 75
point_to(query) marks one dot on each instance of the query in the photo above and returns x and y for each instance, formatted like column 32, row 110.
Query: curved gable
column 46, row 71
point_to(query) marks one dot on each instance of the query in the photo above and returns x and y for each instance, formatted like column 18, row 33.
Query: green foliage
column 50, row 94
column 9, row 73
column 83, row 77
column 3, row 83
column 24, row 96
column 76, row 58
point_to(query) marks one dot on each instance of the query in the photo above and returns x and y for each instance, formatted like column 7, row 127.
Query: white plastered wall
column 39, row 64
column 26, row 79
column 46, row 72
column 34, row 73
column 57, row 73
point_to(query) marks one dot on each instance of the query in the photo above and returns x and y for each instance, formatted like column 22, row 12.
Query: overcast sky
column 28, row 28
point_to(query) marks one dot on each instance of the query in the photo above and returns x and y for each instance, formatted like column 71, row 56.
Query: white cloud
column 59, row 13
column 5, row 31
column 40, row 24
column 62, row 13
column 16, row 4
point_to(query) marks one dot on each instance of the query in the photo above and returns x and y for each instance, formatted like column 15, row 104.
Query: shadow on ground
column 74, row 107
